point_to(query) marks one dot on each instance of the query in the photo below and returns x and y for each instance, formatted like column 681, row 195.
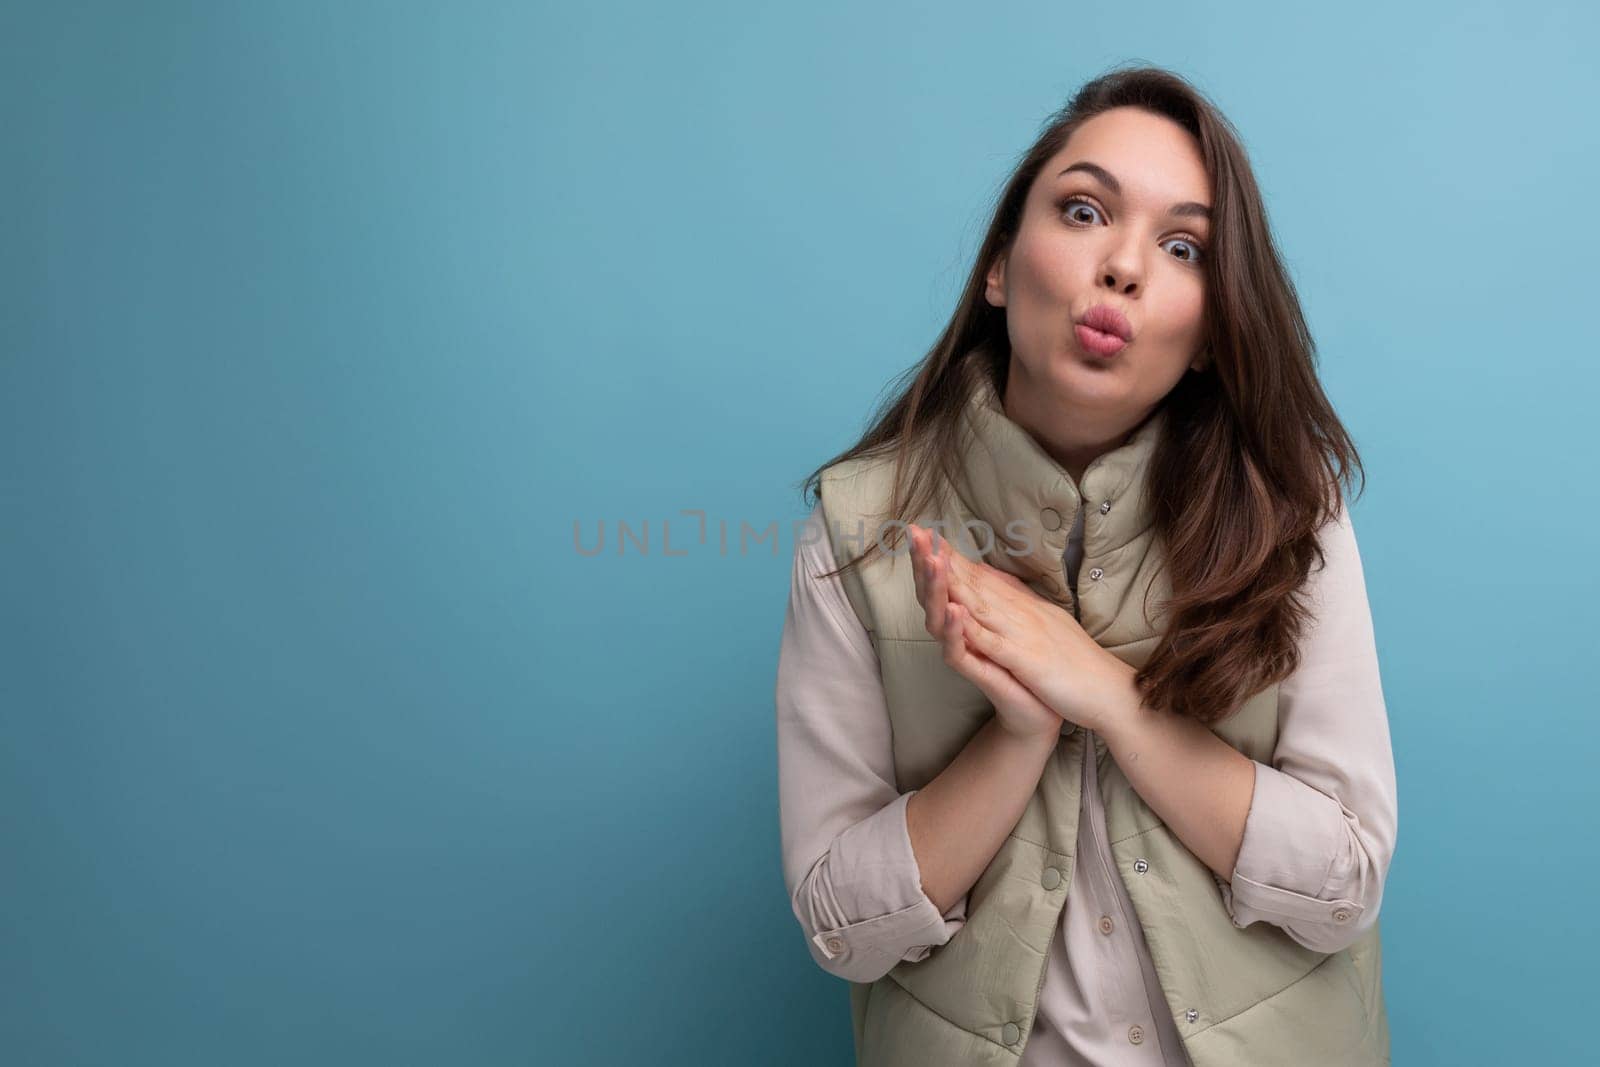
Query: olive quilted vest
column 1239, row 997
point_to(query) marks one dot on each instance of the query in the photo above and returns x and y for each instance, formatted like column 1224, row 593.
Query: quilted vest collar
column 1008, row 481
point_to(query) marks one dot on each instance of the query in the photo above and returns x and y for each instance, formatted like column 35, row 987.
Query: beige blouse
column 1318, row 840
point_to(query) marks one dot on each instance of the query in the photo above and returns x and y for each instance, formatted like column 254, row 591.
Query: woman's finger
column 989, row 644
column 918, row 579
column 923, row 577
column 938, row 571
column 965, row 588
column 981, row 672
column 999, row 685
column 997, row 599
column 955, row 648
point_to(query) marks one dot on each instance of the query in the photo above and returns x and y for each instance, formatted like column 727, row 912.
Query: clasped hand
column 1026, row 653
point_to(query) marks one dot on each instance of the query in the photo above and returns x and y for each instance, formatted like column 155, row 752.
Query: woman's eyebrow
column 1183, row 208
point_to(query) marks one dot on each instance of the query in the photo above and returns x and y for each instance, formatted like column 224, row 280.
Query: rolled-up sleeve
column 1324, row 815
column 852, row 875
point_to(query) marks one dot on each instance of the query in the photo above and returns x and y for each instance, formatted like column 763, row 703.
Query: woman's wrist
column 1035, row 745
column 1104, row 695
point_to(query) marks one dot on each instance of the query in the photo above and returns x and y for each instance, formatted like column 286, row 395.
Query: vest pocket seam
column 925, row 1006
column 1244, row 1011
column 1146, row 830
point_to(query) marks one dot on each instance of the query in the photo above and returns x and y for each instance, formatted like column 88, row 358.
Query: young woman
column 1083, row 751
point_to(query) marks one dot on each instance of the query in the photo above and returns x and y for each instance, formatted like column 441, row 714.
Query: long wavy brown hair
column 1250, row 462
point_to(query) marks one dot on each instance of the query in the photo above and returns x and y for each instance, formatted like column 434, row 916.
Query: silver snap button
column 1191, row 1015
column 1096, row 573
column 1105, row 506
column 1141, row 866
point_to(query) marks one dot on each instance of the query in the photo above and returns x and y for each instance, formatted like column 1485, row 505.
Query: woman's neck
column 1073, row 438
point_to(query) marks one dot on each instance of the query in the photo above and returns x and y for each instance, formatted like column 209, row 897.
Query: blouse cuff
column 867, row 909
column 1294, row 838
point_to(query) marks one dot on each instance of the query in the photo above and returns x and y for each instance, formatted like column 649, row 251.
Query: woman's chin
column 1091, row 378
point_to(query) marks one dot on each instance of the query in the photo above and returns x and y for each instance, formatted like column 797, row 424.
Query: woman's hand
column 1019, row 712
column 1012, row 630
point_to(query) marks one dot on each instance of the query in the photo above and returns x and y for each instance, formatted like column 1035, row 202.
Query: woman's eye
column 1083, row 213
column 1192, row 251
column 1075, row 207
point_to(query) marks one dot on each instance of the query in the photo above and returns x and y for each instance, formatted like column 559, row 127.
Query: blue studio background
column 321, row 324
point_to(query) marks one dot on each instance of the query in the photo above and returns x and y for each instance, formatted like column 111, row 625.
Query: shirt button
column 1095, row 574
column 835, row 944
column 1106, row 925
column 1105, row 506
column 1010, row 1033
column 1136, row 1034
column 1051, row 879
column 1051, row 518
column 1341, row 915
column 1141, row 866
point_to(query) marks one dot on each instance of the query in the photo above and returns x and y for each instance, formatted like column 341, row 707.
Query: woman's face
column 1121, row 228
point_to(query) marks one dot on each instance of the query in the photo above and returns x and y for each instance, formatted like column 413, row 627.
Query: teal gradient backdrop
column 324, row 323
